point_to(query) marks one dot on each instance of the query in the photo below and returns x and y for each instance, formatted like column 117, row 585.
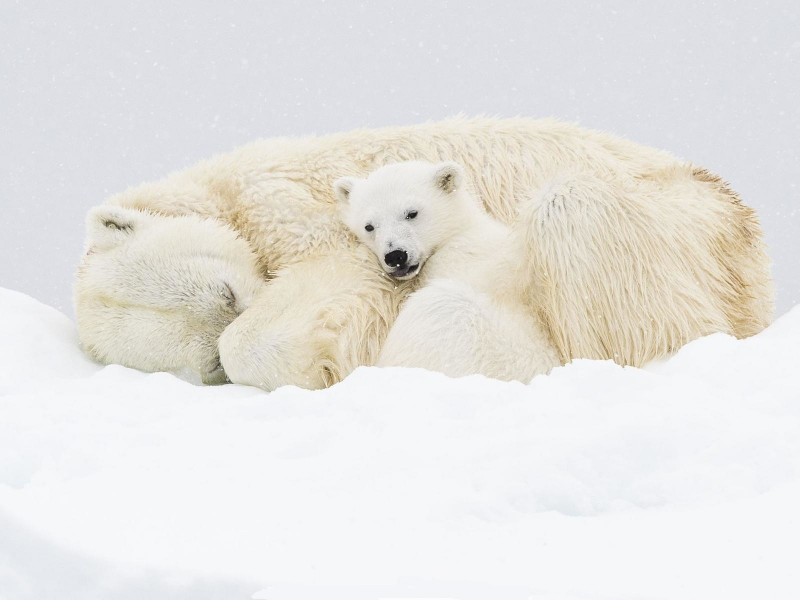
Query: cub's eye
column 369, row 228
column 412, row 214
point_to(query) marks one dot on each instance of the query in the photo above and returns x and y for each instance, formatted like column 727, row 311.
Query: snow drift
column 678, row 481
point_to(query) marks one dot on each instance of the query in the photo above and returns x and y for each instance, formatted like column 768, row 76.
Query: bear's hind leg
column 622, row 269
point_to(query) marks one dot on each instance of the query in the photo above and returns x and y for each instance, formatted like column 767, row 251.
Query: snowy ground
column 681, row 481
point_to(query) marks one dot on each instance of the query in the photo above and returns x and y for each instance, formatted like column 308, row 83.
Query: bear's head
column 155, row 292
column 403, row 212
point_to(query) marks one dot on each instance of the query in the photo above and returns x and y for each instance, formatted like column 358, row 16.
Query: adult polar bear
column 632, row 253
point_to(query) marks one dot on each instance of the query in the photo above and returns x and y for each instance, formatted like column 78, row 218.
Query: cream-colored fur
column 156, row 292
column 632, row 251
column 471, row 315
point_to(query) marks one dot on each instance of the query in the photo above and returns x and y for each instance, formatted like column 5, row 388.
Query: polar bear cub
column 471, row 316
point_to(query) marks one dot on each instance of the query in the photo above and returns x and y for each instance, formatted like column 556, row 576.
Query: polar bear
column 629, row 252
column 471, row 316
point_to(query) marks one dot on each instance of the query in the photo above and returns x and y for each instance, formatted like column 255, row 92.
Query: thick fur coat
column 630, row 252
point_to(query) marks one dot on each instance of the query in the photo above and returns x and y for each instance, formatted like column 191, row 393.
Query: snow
column 678, row 481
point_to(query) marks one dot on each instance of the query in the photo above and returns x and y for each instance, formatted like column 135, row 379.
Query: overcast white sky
column 97, row 96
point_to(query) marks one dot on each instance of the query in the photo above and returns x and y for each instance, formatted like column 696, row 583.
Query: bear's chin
column 406, row 272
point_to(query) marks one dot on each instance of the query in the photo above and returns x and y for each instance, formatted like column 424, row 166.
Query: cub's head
column 404, row 212
column 155, row 293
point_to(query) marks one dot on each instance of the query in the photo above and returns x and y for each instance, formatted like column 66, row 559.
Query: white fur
column 156, row 293
column 471, row 316
column 632, row 251
column 411, row 214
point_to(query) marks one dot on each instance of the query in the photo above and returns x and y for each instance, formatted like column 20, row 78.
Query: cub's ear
column 108, row 226
column 449, row 177
column 343, row 186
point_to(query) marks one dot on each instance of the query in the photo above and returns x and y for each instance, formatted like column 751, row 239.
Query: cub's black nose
column 396, row 259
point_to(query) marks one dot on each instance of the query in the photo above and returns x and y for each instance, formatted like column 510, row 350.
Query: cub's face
column 155, row 293
column 402, row 212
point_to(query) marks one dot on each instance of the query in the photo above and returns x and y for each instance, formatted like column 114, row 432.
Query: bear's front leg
column 313, row 324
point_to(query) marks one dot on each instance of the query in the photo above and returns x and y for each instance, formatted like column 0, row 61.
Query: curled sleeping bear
column 625, row 251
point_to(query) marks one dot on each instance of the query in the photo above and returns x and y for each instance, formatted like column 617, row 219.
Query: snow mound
column 678, row 481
